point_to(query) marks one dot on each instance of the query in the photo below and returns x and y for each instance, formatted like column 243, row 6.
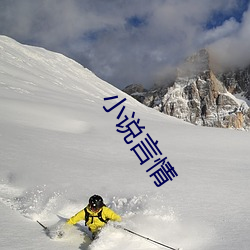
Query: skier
column 95, row 214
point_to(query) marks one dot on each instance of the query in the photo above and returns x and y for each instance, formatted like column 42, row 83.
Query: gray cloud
column 233, row 49
column 130, row 41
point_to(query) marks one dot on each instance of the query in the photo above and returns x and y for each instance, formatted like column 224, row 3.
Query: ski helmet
column 96, row 202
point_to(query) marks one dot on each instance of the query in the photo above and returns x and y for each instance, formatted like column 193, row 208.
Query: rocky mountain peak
column 196, row 64
column 200, row 96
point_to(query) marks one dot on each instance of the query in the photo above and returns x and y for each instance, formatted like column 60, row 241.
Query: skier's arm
column 77, row 217
column 110, row 214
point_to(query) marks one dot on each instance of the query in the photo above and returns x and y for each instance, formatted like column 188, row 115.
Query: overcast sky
column 131, row 41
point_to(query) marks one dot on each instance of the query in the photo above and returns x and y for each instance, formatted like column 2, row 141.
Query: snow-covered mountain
column 58, row 146
column 201, row 95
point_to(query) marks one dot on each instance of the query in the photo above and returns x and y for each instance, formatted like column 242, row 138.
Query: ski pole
column 149, row 239
column 45, row 228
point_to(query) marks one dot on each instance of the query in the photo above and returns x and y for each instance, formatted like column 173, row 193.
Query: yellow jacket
column 94, row 223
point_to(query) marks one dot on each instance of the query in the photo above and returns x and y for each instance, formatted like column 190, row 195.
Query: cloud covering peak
column 132, row 41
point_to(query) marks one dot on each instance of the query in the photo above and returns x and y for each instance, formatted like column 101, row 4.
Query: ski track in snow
column 43, row 117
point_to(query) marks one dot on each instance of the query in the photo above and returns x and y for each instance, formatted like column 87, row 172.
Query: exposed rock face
column 199, row 97
column 136, row 90
column 237, row 81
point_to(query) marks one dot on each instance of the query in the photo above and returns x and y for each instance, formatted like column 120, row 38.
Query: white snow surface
column 58, row 147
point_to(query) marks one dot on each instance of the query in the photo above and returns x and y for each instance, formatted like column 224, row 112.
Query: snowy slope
column 59, row 146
